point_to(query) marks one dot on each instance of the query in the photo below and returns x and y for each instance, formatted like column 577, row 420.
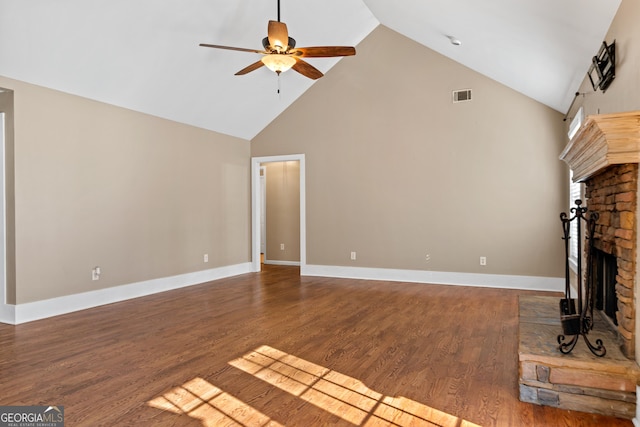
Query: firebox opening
column 605, row 270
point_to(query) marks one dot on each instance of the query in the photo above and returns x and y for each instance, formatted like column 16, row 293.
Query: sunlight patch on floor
column 339, row 394
column 200, row 399
column 343, row 396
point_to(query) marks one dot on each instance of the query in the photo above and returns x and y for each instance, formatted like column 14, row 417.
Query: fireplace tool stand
column 577, row 323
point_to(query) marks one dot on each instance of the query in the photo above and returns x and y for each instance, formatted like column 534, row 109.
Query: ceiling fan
column 280, row 52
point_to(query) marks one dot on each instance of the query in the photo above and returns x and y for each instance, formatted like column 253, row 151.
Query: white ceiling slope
column 541, row 48
column 144, row 55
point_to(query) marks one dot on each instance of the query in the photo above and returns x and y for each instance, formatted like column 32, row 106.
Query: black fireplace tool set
column 577, row 320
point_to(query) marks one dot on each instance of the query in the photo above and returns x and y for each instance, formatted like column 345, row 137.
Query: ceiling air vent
column 461, row 95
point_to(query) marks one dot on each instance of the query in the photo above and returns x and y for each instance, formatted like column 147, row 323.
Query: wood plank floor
column 274, row 348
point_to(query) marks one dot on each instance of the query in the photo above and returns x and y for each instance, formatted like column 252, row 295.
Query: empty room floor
column 274, row 348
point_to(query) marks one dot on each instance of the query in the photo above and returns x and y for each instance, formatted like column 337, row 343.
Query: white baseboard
column 554, row 284
column 7, row 313
column 272, row 262
column 27, row 312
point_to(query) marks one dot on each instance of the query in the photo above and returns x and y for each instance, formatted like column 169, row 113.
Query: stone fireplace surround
column 612, row 194
column 604, row 154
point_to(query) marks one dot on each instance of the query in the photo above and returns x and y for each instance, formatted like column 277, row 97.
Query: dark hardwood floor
column 276, row 349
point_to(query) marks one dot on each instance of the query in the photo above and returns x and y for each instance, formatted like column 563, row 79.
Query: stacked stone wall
column 613, row 195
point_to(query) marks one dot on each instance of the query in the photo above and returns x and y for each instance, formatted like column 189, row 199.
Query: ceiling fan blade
column 250, row 68
column 278, row 35
column 307, row 69
column 324, row 51
column 241, row 49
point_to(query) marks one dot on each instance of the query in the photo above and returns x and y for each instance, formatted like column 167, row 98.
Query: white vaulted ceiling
column 144, row 55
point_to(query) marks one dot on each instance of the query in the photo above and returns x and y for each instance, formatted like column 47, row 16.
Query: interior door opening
column 3, row 239
column 263, row 213
column 258, row 207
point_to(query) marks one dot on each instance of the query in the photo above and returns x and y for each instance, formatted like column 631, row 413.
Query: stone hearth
column 578, row 381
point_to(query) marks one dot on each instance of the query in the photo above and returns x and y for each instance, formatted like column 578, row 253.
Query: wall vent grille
column 463, row 95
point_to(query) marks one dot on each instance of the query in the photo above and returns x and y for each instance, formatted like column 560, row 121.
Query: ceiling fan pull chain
column 278, row 85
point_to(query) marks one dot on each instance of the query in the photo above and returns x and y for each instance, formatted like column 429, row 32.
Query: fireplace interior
column 605, row 270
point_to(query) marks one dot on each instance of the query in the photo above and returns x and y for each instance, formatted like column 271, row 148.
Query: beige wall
column 283, row 211
column 396, row 171
column 139, row 196
column 624, row 92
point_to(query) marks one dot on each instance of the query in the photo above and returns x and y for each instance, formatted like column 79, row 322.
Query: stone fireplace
column 612, row 194
column 604, row 154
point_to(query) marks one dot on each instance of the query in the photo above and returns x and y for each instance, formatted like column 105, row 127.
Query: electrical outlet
column 353, row 256
column 427, row 257
column 95, row 273
column 206, row 257
column 282, row 246
column 483, row 260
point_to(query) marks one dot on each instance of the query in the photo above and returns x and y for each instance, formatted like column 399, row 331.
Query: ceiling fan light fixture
column 268, row 48
column 279, row 46
column 278, row 62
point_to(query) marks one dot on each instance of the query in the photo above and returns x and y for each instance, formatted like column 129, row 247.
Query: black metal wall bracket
column 577, row 321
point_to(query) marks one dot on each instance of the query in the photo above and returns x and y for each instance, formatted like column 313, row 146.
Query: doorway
column 2, row 209
column 8, row 297
column 257, row 202
column 263, row 212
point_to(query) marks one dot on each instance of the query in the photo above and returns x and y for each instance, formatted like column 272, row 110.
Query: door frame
column 256, row 200
column 263, row 209
column 3, row 204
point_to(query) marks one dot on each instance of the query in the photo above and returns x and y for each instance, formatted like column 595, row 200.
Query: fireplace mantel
column 603, row 140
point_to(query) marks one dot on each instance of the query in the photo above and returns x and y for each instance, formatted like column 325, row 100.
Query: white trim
column 636, row 419
column 276, row 262
column 3, row 208
column 7, row 313
column 573, row 264
column 554, row 284
column 21, row 313
column 255, row 207
column 263, row 210
column 28, row 312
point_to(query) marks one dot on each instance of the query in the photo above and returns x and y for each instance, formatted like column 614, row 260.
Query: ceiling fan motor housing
column 265, row 43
